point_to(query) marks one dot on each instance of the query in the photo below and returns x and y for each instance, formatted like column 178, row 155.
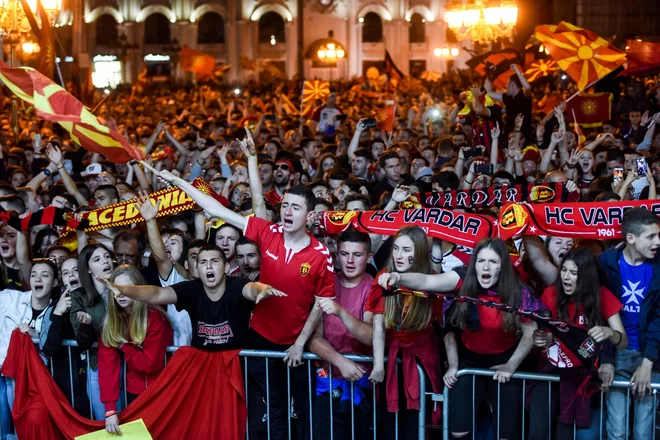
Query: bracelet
column 436, row 260
column 620, row 338
column 110, row 414
column 469, row 183
column 572, row 167
column 59, row 168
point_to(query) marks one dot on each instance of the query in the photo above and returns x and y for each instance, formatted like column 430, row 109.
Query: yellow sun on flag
column 589, row 107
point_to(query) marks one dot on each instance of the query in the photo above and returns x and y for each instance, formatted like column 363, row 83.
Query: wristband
column 133, row 162
column 469, row 183
column 436, row 260
column 110, row 414
column 620, row 337
column 572, row 167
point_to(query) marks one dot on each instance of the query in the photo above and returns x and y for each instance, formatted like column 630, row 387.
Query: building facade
column 125, row 33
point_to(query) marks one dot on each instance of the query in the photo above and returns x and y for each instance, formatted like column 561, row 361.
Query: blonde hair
column 121, row 326
column 410, row 312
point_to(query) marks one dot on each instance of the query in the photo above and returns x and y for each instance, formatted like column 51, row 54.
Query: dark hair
column 92, row 296
column 363, row 152
column 39, row 239
column 635, row 219
column 514, row 79
column 338, row 174
column 352, row 235
column 243, row 240
column 324, row 202
column 212, row 247
column 305, row 193
column 358, row 197
column 615, row 154
column 502, row 174
column 318, row 182
column 376, row 141
column 109, row 190
column 587, row 289
column 54, row 291
column 184, row 238
column 306, row 142
column 607, row 196
column 126, row 235
column 508, row 286
column 446, row 179
column 387, row 155
column 192, row 244
column 14, row 203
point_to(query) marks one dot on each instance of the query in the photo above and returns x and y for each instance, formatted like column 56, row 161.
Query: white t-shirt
column 180, row 320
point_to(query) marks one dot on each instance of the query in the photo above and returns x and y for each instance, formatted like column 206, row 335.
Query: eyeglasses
column 282, row 166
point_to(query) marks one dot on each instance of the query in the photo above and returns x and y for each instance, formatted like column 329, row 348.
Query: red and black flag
column 496, row 65
column 643, row 57
column 52, row 216
column 390, row 69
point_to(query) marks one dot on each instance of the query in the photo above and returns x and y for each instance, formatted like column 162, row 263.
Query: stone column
column 291, row 42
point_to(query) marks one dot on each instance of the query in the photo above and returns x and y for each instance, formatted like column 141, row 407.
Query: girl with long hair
column 87, row 313
column 481, row 337
column 578, row 298
column 138, row 333
column 407, row 321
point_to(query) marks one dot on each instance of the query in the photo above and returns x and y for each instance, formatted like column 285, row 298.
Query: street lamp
column 480, row 20
column 13, row 24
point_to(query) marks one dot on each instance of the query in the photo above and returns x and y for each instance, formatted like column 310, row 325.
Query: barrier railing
column 525, row 377
column 309, row 358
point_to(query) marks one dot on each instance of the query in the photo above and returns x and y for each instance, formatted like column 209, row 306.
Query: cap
column 93, row 169
column 484, row 98
column 531, row 153
column 424, row 171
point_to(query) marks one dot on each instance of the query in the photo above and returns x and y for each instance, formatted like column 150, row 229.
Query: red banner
column 489, row 197
column 591, row 110
column 455, row 227
column 597, row 221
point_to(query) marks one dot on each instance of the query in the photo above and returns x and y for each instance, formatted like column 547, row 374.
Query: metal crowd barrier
column 445, row 399
column 311, row 374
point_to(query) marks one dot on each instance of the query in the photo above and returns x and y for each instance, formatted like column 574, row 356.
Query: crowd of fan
column 208, row 266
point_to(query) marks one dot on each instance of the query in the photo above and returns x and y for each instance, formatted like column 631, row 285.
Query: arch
column 417, row 29
column 372, row 29
column 155, row 9
column 271, row 24
column 95, row 13
column 208, row 7
column 422, row 10
column 260, row 10
column 157, row 29
column 106, row 30
column 211, row 29
column 381, row 10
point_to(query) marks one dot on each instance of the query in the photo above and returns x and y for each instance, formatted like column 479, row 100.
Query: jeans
column 625, row 364
column 94, row 393
column 5, row 408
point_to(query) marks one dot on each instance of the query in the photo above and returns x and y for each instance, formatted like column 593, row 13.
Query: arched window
column 271, row 24
column 372, row 30
column 157, row 29
column 417, row 29
column 211, row 29
column 106, row 30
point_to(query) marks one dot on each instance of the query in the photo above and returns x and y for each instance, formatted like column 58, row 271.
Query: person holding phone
column 325, row 116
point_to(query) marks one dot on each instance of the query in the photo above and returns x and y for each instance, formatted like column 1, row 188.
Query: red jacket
column 143, row 363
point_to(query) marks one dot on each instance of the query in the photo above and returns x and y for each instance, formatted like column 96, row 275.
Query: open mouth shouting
column 210, row 276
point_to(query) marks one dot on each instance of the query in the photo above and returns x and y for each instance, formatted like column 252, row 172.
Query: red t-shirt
column 272, row 197
column 376, row 305
column 557, row 354
column 302, row 275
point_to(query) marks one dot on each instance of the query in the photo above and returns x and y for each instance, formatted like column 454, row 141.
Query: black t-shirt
column 219, row 325
column 14, row 280
column 515, row 106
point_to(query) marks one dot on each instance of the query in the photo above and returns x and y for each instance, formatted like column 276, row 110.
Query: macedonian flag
column 591, row 110
column 540, row 68
column 385, row 118
column 582, row 54
column 196, row 61
column 313, row 90
column 55, row 104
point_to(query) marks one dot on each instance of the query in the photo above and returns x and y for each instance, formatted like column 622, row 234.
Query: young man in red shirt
column 297, row 264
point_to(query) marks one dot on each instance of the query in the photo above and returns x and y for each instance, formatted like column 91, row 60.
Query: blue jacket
column 649, row 316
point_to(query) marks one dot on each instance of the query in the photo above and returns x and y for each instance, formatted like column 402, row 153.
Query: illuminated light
column 408, row 19
column 437, row 52
column 340, row 53
column 445, row 51
column 29, row 47
column 289, row 18
column 321, row 54
column 172, row 20
column 627, row 47
column 106, row 91
column 361, row 19
column 156, row 57
column 68, row 59
column 104, row 58
column 121, row 20
column 273, row 41
column 192, row 20
column 541, row 49
column 237, row 91
column 423, row 20
column 563, row 77
column 332, row 54
column 58, row 60
column 106, row 74
column 454, row 51
column 331, row 46
column 482, row 20
column 639, row 39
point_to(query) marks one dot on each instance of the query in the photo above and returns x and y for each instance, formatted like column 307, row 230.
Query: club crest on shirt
column 304, row 269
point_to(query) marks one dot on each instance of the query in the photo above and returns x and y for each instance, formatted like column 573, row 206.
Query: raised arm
column 205, row 201
column 442, row 282
column 55, row 157
column 527, row 89
column 149, row 211
column 556, row 139
column 489, row 89
column 256, row 189
column 152, row 140
column 149, row 294
column 540, row 260
column 494, row 146
column 355, row 140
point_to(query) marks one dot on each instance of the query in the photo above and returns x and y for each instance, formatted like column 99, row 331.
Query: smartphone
column 471, row 152
column 269, row 117
column 641, row 166
column 370, row 122
column 617, row 176
column 484, row 168
column 340, row 117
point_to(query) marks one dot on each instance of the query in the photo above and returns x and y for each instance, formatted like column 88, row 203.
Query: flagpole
column 302, row 96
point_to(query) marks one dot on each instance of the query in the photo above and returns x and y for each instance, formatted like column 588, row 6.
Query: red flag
column 55, row 104
column 196, row 61
column 385, row 118
column 496, row 65
column 47, row 44
column 591, row 110
column 313, row 90
column 643, row 57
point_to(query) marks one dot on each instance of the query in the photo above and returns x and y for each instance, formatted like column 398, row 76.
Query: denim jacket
column 649, row 316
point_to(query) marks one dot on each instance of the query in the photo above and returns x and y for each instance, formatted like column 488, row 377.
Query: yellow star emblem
column 589, row 107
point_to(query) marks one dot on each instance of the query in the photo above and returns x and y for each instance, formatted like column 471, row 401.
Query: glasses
column 282, row 166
